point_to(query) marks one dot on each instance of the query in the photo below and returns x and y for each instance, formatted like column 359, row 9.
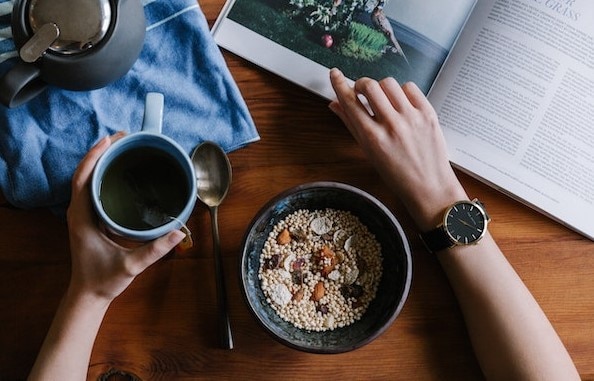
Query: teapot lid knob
column 82, row 23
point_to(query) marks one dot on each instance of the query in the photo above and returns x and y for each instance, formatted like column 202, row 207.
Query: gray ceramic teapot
column 76, row 45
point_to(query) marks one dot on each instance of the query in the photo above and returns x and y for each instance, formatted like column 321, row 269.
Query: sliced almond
column 318, row 292
column 284, row 237
column 298, row 295
column 326, row 270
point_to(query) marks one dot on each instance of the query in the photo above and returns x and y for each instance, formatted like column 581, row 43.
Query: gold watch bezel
column 475, row 203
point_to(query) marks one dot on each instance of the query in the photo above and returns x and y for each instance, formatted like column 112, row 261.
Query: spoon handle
column 226, row 339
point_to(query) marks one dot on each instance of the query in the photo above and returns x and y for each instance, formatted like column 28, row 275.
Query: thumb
column 151, row 252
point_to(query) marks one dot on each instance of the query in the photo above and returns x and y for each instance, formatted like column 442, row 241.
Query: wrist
column 430, row 211
column 463, row 223
column 76, row 296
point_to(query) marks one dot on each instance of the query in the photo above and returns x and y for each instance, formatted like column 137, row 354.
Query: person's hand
column 100, row 267
column 401, row 136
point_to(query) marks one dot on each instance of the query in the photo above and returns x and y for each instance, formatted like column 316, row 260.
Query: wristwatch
column 464, row 223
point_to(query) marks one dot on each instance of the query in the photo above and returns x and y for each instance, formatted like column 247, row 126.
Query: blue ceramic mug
column 144, row 185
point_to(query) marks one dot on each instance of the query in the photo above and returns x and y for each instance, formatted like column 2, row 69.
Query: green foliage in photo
column 363, row 43
column 325, row 15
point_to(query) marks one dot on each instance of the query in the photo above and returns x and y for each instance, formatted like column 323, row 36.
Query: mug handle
column 153, row 113
column 20, row 84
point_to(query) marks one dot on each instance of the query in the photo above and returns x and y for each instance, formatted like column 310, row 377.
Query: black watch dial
column 465, row 222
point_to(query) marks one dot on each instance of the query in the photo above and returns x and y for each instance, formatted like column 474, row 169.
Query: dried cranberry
column 297, row 277
column 322, row 308
column 351, row 291
column 298, row 264
column 273, row 262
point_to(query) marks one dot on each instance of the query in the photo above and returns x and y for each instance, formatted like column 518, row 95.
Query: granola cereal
column 320, row 269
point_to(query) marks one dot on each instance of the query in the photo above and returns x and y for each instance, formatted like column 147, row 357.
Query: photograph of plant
column 358, row 36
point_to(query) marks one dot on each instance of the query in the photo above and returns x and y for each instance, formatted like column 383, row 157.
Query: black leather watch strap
column 436, row 239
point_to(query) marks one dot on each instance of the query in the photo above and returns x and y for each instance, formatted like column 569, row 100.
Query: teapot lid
column 82, row 24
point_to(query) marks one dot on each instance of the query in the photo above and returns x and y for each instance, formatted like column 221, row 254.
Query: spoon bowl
column 213, row 173
column 213, row 179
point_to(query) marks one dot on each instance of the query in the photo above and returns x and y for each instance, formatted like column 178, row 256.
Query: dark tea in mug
column 143, row 188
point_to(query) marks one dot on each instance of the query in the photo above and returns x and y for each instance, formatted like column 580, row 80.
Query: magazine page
column 516, row 101
column 301, row 39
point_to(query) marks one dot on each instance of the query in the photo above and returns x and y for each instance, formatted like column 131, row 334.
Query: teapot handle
column 20, row 84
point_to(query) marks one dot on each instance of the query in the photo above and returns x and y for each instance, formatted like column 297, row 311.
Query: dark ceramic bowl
column 393, row 287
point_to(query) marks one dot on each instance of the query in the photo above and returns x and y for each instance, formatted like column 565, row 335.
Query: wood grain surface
column 164, row 326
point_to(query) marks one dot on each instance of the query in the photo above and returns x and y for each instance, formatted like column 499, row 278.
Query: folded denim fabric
column 42, row 141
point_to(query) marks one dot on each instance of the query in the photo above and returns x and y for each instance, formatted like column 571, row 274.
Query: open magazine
column 512, row 81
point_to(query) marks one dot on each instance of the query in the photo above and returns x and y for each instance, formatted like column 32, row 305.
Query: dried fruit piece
column 321, row 225
column 284, row 237
column 318, row 291
column 322, row 308
column 298, row 264
column 326, row 270
column 272, row 262
column 297, row 277
column 351, row 291
column 328, row 260
column 298, row 295
column 299, row 235
column 326, row 252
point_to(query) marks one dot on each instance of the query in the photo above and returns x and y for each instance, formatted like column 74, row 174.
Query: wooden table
column 164, row 326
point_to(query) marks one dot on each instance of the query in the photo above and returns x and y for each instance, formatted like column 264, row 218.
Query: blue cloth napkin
column 42, row 142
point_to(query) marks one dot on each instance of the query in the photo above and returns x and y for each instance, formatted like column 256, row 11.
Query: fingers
column 146, row 255
column 376, row 97
column 395, row 93
column 416, row 97
column 341, row 87
column 350, row 105
column 79, row 211
column 386, row 99
column 87, row 164
column 80, row 208
column 85, row 167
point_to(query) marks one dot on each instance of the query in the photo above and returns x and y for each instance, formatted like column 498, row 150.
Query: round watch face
column 465, row 222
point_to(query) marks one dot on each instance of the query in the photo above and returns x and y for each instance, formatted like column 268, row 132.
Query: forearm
column 403, row 139
column 66, row 351
column 512, row 337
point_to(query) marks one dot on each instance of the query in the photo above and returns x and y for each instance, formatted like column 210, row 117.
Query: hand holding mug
column 100, row 266
column 144, row 185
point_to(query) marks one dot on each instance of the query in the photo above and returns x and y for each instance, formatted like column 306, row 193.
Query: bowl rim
column 406, row 251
